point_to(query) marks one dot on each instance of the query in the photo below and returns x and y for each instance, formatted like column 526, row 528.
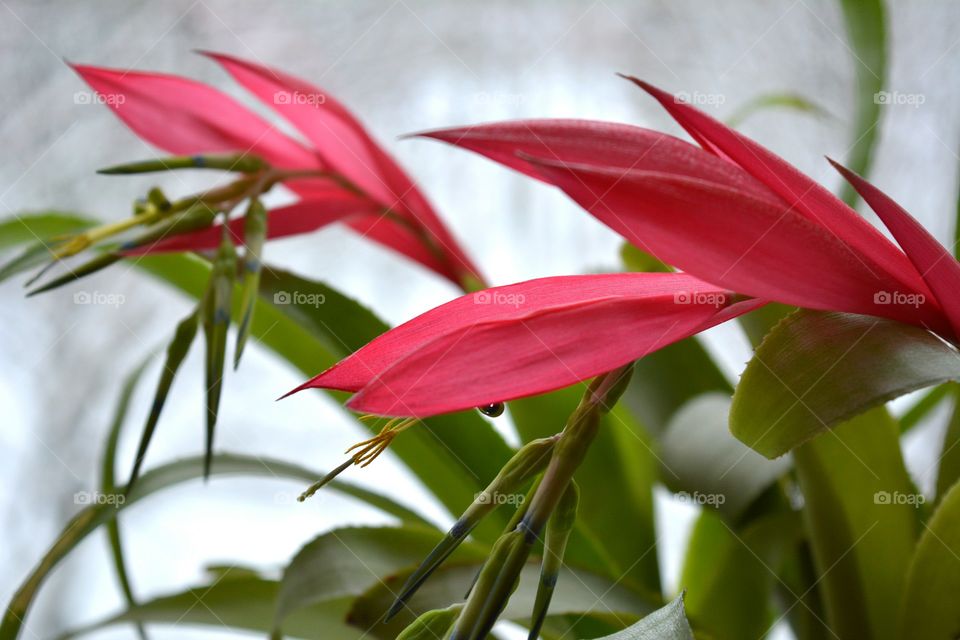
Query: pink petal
column 185, row 117
column 347, row 147
column 522, row 339
column 932, row 260
column 797, row 190
column 604, row 144
column 734, row 240
column 302, row 217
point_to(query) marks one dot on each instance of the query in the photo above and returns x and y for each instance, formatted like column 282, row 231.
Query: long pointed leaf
column 176, row 352
column 108, row 487
column 92, row 517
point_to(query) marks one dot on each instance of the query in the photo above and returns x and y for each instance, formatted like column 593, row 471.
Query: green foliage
column 815, row 370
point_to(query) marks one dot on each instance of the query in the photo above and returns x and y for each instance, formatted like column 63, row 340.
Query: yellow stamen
column 371, row 448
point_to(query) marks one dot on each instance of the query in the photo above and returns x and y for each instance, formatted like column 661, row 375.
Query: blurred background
column 402, row 66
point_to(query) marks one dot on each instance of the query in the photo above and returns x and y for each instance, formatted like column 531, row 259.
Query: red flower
column 527, row 338
column 732, row 213
column 371, row 194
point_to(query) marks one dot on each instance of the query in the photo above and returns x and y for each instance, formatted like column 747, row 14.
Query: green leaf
column 640, row 261
column 667, row 623
column 108, row 486
column 862, row 518
column 254, row 235
column 92, row 517
column 758, row 323
column 216, row 309
column 28, row 228
column 949, row 471
column 927, row 403
column 792, row 101
column 703, row 460
column 176, row 353
column 728, row 574
column 929, row 608
column 816, row 370
column 578, row 592
column 347, row 562
column 455, row 456
column 242, row 602
column 866, row 32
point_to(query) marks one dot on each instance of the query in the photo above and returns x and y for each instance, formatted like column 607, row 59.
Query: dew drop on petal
column 492, row 410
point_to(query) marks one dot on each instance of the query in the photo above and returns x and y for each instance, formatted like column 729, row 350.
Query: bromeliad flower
column 734, row 214
column 523, row 339
column 340, row 175
column 731, row 214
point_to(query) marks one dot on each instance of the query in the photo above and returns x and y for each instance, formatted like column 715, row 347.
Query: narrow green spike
column 559, row 528
column 254, row 235
column 91, row 266
column 501, row 573
column 197, row 217
column 527, row 462
column 234, row 162
column 497, row 581
column 216, row 322
column 176, row 352
column 33, row 256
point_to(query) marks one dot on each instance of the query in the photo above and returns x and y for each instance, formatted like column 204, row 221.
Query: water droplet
column 492, row 410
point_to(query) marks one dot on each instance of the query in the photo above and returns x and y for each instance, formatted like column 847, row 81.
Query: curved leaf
column 108, row 486
column 92, row 517
column 866, row 31
column 236, row 602
column 346, row 562
column 666, row 623
column 765, row 101
column 816, row 370
column 929, row 609
column 312, row 326
column 728, row 573
column 578, row 592
column 861, row 512
column 700, row 457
